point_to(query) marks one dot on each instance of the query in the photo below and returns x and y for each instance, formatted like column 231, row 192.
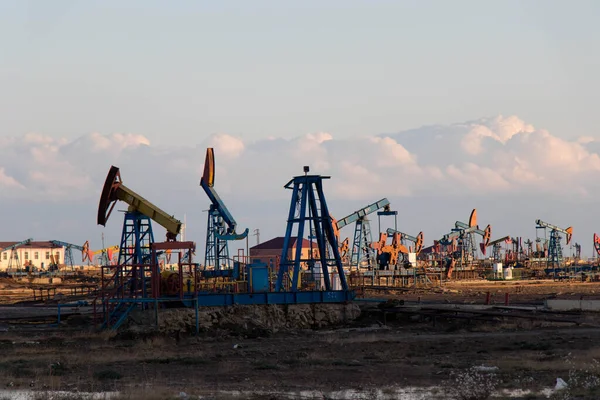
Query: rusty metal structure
column 136, row 276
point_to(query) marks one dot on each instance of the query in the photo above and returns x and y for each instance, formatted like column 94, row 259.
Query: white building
column 36, row 254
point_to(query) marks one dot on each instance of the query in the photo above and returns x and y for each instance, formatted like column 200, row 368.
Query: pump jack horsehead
column 597, row 243
column 464, row 232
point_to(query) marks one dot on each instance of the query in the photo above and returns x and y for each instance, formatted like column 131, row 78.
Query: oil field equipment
column 136, row 271
column 417, row 241
column 308, row 205
column 13, row 260
column 143, row 284
column 397, row 253
column 362, row 254
column 86, row 253
column 221, row 225
column 105, row 256
column 555, row 256
column 576, row 252
column 497, row 248
column 464, row 236
column 137, row 235
column 597, row 244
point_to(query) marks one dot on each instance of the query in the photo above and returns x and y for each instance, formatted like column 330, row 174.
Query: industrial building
column 271, row 250
column 36, row 254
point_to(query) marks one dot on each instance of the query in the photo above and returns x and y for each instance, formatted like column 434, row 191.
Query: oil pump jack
column 555, row 256
column 497, row 248
column 362, row 254
column 137, row 235
column 137, row 267
column 13, row 256
column 221, row 225
column 597, row 244
column 395, row 254
column 464, row 235
column 460, row 243
column 86, row 253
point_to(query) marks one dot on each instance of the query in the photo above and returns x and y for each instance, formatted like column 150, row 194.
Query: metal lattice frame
column 308, row 204
column 362, row 253
column 217, row 249
column 136, row 239
column 135, row 252
column 69, row 256
column 555, row 257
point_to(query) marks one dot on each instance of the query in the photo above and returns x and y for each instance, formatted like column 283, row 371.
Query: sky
column 439, row 106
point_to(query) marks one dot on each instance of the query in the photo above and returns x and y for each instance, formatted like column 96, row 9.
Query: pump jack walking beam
column 361, row 245
column 221, row 227
column 114, row 190
column 417, row 240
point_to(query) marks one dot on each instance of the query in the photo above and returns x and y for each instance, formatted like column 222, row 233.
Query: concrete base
column 572, row 305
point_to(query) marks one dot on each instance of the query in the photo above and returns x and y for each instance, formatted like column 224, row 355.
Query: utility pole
column 257, row 234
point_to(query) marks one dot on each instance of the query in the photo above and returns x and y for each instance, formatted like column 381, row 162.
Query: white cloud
column 490, row 155
column 227, row 145
column 449, row 165
column 392, row 153
column 8, row 182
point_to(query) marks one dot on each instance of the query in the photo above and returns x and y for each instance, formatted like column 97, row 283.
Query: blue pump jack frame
column 308, row 201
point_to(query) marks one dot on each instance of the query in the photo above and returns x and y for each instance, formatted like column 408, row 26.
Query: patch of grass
column 265, row 366
column 161, row 360
column 447, row 365
column 18, row 368
column 536, row 346
column 292, row 361
column 107, row 375
column 177, row 360
column 372, row 357
column 58, row 369
column 193, row 361
column 346, row 363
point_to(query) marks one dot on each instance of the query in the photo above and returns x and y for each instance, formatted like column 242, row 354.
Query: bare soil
column 475, row 292
column 406, row 351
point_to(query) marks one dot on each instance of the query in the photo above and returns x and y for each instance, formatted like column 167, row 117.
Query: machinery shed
column 35, row 253
column 271, row 250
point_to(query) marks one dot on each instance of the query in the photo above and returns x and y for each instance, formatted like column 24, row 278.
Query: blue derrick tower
column 308, row 205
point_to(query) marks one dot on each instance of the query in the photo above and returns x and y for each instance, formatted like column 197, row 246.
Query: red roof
column 277, row 243
column 32, row 245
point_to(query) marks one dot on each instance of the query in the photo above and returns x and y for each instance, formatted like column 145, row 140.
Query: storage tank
column 497, row 268
column 412, row 259
column 508, row 273
column 334, row 280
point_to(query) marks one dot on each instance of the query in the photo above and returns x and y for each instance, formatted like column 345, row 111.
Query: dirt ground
column 475, row 292
column 366, row 354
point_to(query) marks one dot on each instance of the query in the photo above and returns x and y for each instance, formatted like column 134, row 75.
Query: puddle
column 52, row 395
column 405, row 393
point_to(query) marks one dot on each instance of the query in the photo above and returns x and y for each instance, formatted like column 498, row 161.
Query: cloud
column 8, row 182
column 227, row 145
column 485, row 159
column 489, row 155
